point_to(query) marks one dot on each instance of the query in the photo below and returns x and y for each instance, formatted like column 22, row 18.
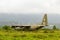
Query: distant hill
column 10, row 19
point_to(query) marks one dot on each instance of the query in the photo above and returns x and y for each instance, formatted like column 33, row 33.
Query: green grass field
column 30, row 35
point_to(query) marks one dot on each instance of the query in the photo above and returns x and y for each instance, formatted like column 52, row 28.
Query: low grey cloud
column 29, row 6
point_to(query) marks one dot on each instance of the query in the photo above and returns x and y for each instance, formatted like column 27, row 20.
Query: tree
column 54, row 27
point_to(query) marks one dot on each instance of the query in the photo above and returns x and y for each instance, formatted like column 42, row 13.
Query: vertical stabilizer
column 45, row 21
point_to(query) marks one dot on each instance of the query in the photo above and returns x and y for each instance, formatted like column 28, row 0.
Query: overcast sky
column 29, row 6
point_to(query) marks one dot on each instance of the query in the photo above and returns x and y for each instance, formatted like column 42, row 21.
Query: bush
column 6, row 27
column 54, row 27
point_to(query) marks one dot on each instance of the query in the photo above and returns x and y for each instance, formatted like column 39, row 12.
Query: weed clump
column 45, row 31
column 23, row 35
column 40, row 36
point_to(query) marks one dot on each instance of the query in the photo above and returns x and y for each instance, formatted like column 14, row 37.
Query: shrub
column 54, row 27
column 6, row 27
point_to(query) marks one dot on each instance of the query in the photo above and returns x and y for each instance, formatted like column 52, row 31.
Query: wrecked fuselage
column 27, row 27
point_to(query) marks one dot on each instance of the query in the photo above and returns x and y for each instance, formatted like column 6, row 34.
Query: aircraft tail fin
column 45, row 21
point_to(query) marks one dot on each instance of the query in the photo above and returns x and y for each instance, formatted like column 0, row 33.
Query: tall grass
column 6, row 33
column 29, row 35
